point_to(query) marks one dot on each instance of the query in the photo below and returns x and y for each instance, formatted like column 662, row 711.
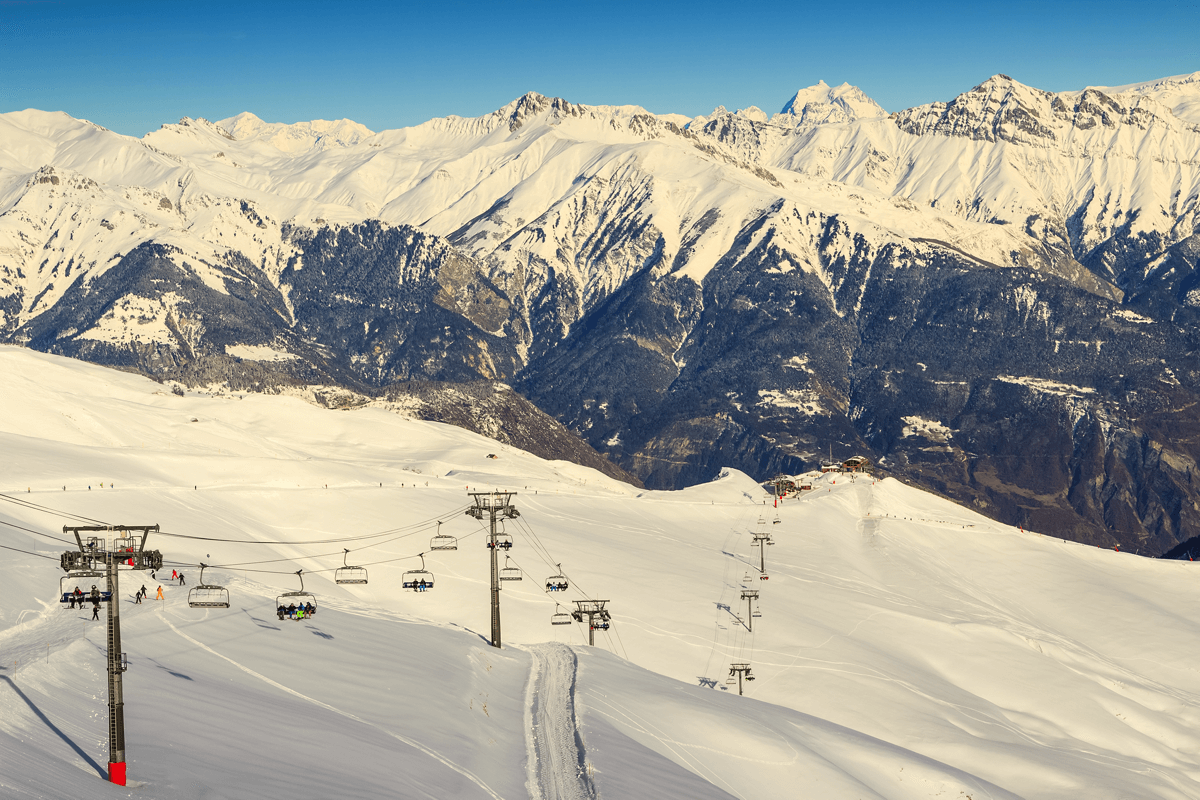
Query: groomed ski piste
column 906, row 648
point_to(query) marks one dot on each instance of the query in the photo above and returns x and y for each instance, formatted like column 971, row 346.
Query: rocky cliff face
column 995, row 297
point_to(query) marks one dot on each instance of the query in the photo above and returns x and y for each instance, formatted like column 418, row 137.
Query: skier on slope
column 160, row 594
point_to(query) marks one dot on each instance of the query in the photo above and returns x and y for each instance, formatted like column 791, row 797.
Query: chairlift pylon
column 557, row 583
column 442, row 541
column 349, row 574
column 418, row 580
column 205, row 595
column 508, row 573
column 296, row 605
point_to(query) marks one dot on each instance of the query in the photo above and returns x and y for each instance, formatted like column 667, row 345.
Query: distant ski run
column 556, row 768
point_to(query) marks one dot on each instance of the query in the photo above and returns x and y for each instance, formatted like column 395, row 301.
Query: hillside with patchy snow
column 738, row 289
column 904, row 647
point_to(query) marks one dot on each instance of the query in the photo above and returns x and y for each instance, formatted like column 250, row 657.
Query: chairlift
column 296, row 605
column 557, row 583
column 560, row 617
column 125, row 544
column 68, row 583
column 508, row 573
column 777, row 520
column 205, row 595
column 418, row 580
column 349, row 574
column 601, row 625
column 443, row 541
column 503, row 541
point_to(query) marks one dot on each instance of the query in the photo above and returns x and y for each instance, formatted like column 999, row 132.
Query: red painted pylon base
column 116, row 773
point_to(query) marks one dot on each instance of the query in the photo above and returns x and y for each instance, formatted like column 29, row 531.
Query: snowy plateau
column 1013, row 267
column 903, row 647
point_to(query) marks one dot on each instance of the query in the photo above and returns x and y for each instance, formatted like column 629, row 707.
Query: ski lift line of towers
column 760, row 539
column 99, row 557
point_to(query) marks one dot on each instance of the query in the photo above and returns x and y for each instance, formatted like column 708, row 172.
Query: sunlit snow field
column 907, row 648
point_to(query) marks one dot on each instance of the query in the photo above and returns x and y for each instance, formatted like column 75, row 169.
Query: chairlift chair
column 125, row 544
column 601, row 625
column 560, row 617
column 557, row 583
column 418, row 580
column 205, row 595
column 68, row 583
column 288, row 604
column 349, row 574
column 777, row 520
column 443, row 541
column 508, row 573
column 503, row 541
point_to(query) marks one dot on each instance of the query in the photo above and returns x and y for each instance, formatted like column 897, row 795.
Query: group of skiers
column 77, row 597
column 143, row 593
column 294, row 611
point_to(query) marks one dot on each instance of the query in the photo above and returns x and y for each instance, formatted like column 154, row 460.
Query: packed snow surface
column 905, row 648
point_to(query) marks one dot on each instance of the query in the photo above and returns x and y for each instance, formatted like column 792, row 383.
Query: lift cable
column 27, row 552
column 419, row 525
column 36, row 533
column 297, row 558
column 38, row 507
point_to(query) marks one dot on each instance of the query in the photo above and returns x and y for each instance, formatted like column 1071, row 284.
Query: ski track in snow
column 410, row 742
column 555, row 767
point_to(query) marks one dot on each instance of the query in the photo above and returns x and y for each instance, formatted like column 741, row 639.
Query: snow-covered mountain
column 907, row 648
column 738, row 289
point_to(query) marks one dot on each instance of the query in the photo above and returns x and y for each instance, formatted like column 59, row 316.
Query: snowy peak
column 822, row 104
column 1179, row 93
column 999, row 109
column 297, row 138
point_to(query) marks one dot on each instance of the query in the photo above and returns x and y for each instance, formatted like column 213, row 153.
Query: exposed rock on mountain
column 994, row 296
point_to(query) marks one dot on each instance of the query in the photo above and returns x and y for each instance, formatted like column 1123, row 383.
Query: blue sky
column 131, row 66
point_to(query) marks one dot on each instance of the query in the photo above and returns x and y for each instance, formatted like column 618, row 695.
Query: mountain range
column 993, row 297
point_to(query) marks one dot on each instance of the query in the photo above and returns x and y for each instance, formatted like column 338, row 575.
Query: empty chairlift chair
column 296, row 605
column 207, row 595
column 349, row 574
column 509, row 573
column 418, row 580
column 557, row 583
column 560, row 617
column 443, row 541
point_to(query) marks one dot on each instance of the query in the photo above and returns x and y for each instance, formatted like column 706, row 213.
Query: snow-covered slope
column 906, row 648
